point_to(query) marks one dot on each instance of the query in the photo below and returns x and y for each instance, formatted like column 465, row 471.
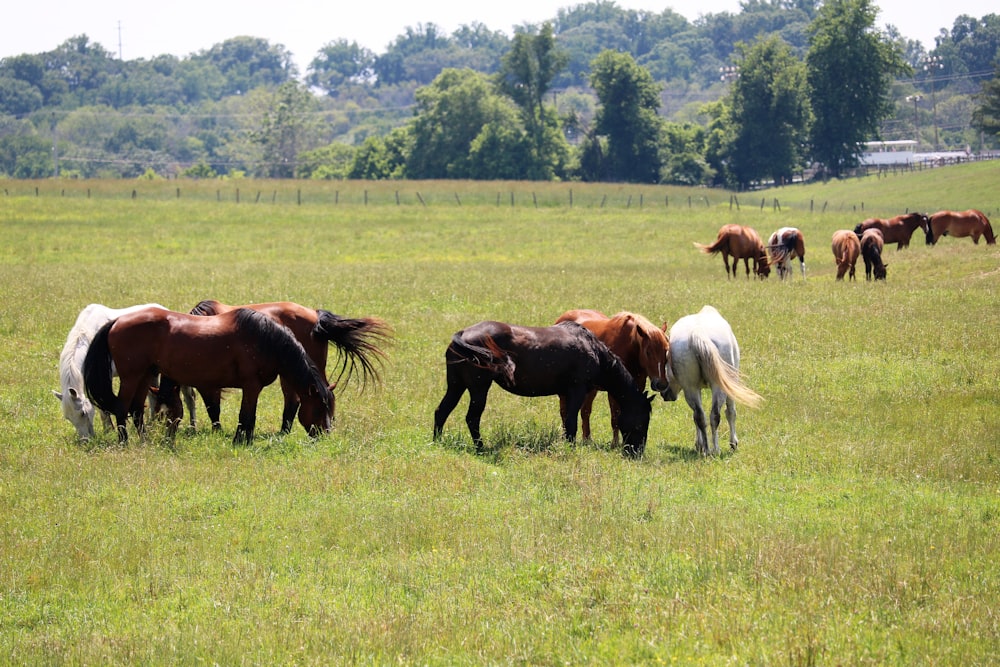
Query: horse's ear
column 154, row 390
column 649, row 397
column 666, row 326
column 57, row 394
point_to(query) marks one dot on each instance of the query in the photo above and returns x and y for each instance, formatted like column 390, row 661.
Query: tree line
column 599, row 93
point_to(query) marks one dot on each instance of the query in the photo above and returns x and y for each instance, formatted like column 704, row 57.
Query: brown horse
column 967, row 223
column 871, row 251
column 742, row 243
column 785, row 245
column 896, row 230
column 642, row 347
column 359, row 340
column 241, row 349
column 846, row 248
column 564, row 360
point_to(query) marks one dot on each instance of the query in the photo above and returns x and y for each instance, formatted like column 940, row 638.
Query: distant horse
column 704, row 353
column 642, row 346
column 359, row 339
column 785, row 245
column 871, row 251
column 241, row 349
column 742, row 243
column 967, row 223
column 846, row 248
column 564, row 360
column 76, row 407
column 897, row 229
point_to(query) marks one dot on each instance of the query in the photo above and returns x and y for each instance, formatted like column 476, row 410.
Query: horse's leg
column 574, row 402
column 734, row 441
column 188, row 394
column 477, row 404
column 725, row 261
column 447, row 404
column 715, row 418
column 248, row 416
column 616, row 412
column 213, row 405
column 291, row 406
column 746, row 264
column 585, row 409
column 693, row 399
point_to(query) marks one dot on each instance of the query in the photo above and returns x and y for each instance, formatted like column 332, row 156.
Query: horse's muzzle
column 668, row 394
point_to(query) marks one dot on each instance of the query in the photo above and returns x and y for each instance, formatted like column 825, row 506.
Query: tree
column 769, row 112
column 249, row 62
column 339, row 63
column 284, row 130
column 526, row 75
column 850, row 73
column 986, row 116
column 627, row 116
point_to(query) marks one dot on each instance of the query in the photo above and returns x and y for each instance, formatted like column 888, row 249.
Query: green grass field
column 857, row 524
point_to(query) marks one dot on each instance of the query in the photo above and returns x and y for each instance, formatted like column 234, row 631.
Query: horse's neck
column 71, row 360
column 615, row 378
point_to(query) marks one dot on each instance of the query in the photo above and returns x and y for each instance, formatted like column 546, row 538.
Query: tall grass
column 857, row 523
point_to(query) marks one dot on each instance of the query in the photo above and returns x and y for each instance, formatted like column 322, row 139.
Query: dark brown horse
column 959, row 224
column 642, row 346
column 871, row 251
column 241, row 349
column 360, row 340
column 742, row 243
column 564, row 360
column 897, row 229
column 846, row 247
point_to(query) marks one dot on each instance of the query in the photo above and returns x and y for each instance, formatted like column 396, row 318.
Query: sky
column 138, row 29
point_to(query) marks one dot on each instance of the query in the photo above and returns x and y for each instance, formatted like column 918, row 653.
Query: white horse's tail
column 718, row 371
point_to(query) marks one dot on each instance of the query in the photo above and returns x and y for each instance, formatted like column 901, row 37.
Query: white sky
column 183, row 27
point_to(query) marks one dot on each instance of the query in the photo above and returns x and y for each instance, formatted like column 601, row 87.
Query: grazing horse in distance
column 360, row 341
column 966, row 223
column 642, row 346
column 871, row 251
column 564, row 360
column 897, row 229
column 704, row 353
column 785, row 245
column 76, row 407
column 742, row 243
column 241, row 349
column 846, row 248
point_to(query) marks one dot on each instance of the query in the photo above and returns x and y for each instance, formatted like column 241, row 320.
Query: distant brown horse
column 742, row 243
column 967, row 223
column 642, row 347
column 871, row 251
column 896, row 230
column 785, row 245
column 846, row 247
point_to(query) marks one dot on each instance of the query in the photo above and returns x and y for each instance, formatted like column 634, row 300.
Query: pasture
column 857, row 524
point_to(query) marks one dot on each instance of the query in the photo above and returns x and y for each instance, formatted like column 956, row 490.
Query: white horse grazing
column 76, row 407
column 785, row 245
column 704, row 353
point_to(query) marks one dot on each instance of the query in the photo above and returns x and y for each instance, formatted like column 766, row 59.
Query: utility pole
column 933, row 64
column 916, row 120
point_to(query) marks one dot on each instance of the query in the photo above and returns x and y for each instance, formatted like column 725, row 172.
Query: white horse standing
column 76, row 407
column 704, row 353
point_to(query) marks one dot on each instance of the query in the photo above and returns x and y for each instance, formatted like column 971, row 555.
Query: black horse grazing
column 565, row 360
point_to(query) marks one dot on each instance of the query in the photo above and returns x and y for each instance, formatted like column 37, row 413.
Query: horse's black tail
column 488, row 356
column 97, row 380
column 206, row 307
column 359, row 339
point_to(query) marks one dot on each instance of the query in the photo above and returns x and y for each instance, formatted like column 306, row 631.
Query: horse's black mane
column 277, row 340
column 206, row 307
column 612, row 367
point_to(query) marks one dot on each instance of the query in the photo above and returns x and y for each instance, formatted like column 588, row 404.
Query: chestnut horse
column 358, row 339
column 785, row 245
column 564, row 360
column 967, row 223
column 241, row 349
column 846, row 248
column 642, row 347
column 871, row 251
column 742, row 243
column 896, row 230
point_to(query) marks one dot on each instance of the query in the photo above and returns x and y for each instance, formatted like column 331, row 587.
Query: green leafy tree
column 850, row 71
column 627, row 116
column 250, row 62
column 986, row 116
column 25, row 156
column 381, row 158
column 769, row 111
column 285, row 130
column 526, row 75
column 340, row 63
